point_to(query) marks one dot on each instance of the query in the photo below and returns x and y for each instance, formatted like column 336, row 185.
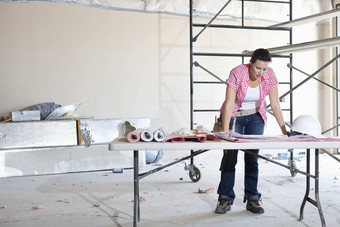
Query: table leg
column 307, row 184
column 315, row 202
column 317, row 199
column 136, row 210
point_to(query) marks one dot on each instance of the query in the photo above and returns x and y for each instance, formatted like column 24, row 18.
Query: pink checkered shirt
column 239, row 80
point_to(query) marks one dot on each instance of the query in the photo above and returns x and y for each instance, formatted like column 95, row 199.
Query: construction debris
column 206, row 190
column 38, row 207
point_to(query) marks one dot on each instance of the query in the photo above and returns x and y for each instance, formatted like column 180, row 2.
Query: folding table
column 199, row 148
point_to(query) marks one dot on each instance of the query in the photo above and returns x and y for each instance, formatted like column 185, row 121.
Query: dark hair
column 261, row 54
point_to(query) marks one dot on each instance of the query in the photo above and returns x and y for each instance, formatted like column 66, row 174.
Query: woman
column 247, row 88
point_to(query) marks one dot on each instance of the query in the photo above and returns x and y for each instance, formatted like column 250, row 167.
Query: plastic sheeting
column 201, row 8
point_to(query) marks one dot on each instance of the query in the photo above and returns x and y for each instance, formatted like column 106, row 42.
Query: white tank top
column 252, row 99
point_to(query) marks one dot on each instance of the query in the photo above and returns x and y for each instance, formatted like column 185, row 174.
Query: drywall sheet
column 35, row 134
column 103, row 131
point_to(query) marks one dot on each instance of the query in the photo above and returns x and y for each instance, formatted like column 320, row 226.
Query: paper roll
column 134, row 136
column 146, row 135
column 160, row 135
column 178, row 139
column 201, row 138
column 201, row 130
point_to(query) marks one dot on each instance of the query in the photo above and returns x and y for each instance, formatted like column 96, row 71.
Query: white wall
column 125, row 64
column 108, row 60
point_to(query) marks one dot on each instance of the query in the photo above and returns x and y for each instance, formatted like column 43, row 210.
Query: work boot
column 253, row 205
column 224, row 204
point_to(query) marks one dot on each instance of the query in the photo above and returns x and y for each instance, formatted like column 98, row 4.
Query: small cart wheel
column 194, row 174
column 292, row 164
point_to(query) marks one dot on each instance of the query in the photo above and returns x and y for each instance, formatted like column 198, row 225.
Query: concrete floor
column 169, row 197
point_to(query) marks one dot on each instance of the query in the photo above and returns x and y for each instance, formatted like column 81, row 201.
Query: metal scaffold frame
column 278, row 52
column 211, row 25
column 242, row 55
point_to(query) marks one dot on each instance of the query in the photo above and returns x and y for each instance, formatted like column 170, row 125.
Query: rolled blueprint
column 177, row 139
column 160, row 135
column 200, row 134
column 201, row 130
column 146, row 135
column 134, row 136
column 201, row 138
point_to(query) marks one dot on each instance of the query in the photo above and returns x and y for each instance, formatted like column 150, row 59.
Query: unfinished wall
column 126, row 64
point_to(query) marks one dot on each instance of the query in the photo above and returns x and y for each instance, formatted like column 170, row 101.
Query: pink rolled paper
column 173, row 137
column 178, row 139
column 134, row 136
column 210, row 136
column 201, row 130
column 201, row 138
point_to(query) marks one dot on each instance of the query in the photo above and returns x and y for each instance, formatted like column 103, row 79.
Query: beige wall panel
column 126, row 64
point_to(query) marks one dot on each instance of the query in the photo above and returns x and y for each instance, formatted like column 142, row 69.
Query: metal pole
column 317, row 199
column 191, row 68
column 136, row 210
column 292, row 67
column 317, row 44
column 142, row 175
column 330, row 129
column 330, row 154
column 191, row 77
column 305, row 198
column 308, row 19
column 198, row 65
column 242, row 12
column 291, row 62
column 278, row 163
column 207, row 25
column 308, row 78
column 311, row 76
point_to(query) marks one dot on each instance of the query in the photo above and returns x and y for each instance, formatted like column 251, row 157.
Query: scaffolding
column 243, row 55
column 277, row 52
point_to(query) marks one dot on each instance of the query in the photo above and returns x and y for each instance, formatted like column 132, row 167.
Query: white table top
column 118, row 145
